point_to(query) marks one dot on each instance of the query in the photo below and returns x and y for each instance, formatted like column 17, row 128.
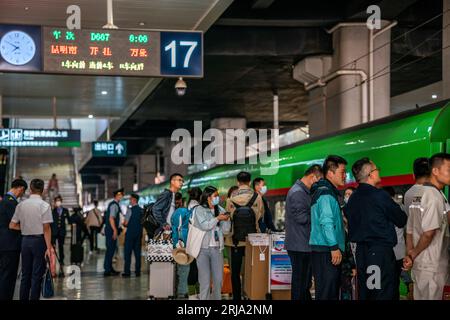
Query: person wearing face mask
column 210, row 258
column 266, row 222
column 10, row 240
column 243, row 197
column 60, row 219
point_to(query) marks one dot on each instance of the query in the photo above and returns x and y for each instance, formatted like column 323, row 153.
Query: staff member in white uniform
column 33, row 217
column 427, row 233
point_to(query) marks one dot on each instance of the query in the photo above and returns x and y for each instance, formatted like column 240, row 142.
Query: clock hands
column 15, row 47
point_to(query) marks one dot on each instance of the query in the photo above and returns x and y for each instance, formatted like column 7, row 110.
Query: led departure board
column 122, row 52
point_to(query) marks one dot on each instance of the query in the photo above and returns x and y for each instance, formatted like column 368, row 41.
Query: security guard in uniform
column 60, row 219
column 10, row 240
column 112, row 220
column 133, row 237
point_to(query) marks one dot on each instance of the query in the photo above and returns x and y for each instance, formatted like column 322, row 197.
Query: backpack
column 149, row 222
column 244, row 220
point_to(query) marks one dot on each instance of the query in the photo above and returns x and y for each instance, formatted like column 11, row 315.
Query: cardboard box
column 256, row 272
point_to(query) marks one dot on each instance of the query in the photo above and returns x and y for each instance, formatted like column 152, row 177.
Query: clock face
column 17, row 47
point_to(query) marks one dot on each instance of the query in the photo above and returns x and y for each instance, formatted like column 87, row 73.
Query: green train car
column 393, row 143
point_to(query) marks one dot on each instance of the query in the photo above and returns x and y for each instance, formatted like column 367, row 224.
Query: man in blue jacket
column 298, row 230
column 164, row 206
column 372, row 215
column 327, row 238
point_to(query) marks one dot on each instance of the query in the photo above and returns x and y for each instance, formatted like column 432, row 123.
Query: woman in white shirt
column 210, row 258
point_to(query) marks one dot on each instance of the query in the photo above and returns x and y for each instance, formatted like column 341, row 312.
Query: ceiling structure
column 30, row 95
column 248, row 55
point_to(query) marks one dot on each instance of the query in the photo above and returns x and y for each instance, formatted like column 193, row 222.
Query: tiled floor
column 94, row 286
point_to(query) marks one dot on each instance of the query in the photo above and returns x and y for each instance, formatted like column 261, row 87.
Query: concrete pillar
column 111, row 184
column 127, row 178
column 146, row 170
column 342, row 107
column 229, row 123
column 446, row 52
column 169, row 166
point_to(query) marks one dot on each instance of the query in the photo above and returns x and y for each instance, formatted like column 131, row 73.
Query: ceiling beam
column 262, row 4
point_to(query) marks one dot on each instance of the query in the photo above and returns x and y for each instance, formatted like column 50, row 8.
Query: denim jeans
column 210, row 265
column 182, row 275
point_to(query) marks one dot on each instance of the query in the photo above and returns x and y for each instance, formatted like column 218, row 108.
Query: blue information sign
column 181, row 54
column 109, row 149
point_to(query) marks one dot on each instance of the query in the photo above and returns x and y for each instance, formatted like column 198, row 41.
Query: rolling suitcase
column 161, row 280
column 76, row 249
column 161, row 269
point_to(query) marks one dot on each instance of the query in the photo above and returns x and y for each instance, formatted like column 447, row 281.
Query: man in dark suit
column 10, row 240
column 60, row 219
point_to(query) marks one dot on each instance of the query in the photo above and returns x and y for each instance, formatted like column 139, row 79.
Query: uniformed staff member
column 33, row 217
column 427, row 233
column 372, row 215
column 10, row 240
column 112, row 220
column 133, row 236
column 60, row 218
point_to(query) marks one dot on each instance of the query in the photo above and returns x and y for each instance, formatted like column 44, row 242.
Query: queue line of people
column 327, row 237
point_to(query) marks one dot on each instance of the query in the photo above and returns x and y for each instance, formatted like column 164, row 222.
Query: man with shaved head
column 372, row 215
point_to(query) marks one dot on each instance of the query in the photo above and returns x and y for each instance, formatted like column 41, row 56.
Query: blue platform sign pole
column 109, row 149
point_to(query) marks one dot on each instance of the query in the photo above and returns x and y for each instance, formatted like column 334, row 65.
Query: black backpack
column 149, row 221
column 244, row 220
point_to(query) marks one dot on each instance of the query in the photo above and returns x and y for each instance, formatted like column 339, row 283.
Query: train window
column 280, row 214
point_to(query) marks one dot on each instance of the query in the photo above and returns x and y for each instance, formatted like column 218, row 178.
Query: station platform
column 94, row 286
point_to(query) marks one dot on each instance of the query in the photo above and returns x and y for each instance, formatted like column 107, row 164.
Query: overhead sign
column 20, row 48
column 123, row 52
column 109, row 149
column 39, row 138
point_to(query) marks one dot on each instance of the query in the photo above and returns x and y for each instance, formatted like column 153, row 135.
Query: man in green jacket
column 327, row 238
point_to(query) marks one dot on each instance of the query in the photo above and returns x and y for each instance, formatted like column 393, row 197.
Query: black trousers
column 237, row 254
column 59, row 239
column 93, row 238
column 398, row 272
column 327, row 277
column 376, row 268
column 9, row 265
column 33, row 267
column 301, row 275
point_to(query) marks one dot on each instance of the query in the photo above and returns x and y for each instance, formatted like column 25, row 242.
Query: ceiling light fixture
column 434, row 96
column 104, row 92
column 142, row 23
column 90, row 116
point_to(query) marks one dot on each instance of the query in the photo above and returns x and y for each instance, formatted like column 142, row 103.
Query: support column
column 146, row 170
column 446, row 52
column 338, row 98
column 230, row 123
column 126, row 178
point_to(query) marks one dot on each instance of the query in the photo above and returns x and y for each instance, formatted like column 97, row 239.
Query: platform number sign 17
column 182, row 54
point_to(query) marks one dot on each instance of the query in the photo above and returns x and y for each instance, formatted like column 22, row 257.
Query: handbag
column 48, row 290
column 194, row 238
column 160, row 249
